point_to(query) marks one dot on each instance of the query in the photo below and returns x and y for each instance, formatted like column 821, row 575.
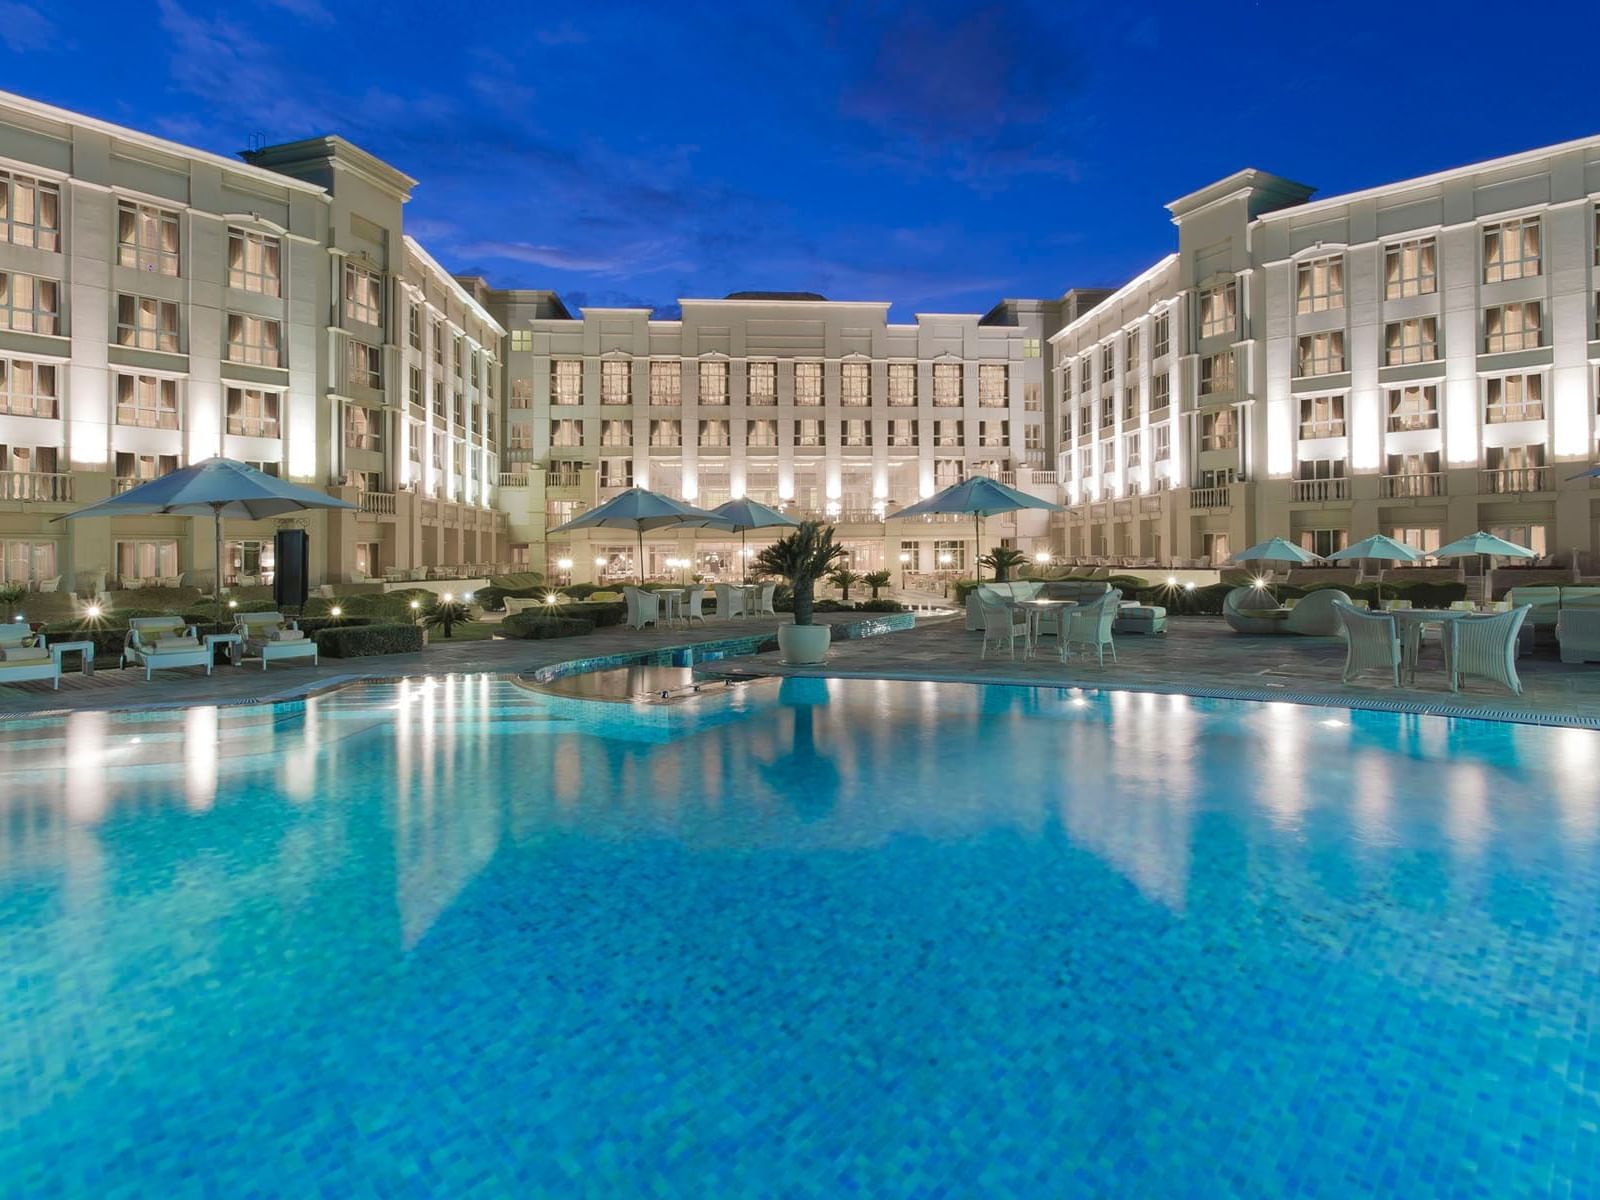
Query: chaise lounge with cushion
column 272, row 637
column 164, row 643
column 24, row 656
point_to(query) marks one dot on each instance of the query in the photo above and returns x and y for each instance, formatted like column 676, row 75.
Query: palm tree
column 842, row 578
column 446, row 615
column 1001, row 559
column 802, row 557
column 876, row 580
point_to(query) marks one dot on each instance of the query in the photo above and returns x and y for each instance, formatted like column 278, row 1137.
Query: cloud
column 24, row 28
column 637, row 259
column 307, row 10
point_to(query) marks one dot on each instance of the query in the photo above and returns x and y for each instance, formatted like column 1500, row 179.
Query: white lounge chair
column 1372, row 643
column 644, row 608
column 1090, row 625
column 273, row 637
column 730, row 602
column 1002, row 623
column 1487, row 648
column 691, row 604
column 164, row 643
column 24, row 656
column 768, row 590
column 50, row 585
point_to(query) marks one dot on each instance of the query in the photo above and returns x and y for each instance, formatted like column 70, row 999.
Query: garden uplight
column 564, row 563
column 1172, row 581
column 336, row 611
column 1042, row 557
column 92, row 612
column 233, row 604
column 1258, row 582
column 416, row 604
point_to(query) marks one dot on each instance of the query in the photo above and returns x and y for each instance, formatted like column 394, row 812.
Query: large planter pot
column 803, row 645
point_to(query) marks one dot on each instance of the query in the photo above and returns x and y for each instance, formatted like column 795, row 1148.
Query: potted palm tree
column 877, row 580
column 1000, row 560
column 802, row 558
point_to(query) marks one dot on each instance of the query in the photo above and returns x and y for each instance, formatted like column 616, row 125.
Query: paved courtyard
column 1196, row 655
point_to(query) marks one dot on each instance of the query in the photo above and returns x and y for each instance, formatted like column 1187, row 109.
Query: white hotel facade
column 1421, row 359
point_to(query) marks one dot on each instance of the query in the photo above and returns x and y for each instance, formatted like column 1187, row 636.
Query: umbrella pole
column 977, row 546
column 744, row 558
column 640, row 532
column 216, row 513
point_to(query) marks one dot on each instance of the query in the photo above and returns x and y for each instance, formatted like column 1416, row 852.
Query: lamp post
column 564, row 565
column 905, row 561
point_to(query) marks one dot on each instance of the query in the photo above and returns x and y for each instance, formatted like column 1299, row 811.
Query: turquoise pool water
column 815, row 939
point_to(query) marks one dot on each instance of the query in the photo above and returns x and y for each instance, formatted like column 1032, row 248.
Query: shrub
column 445, row 615
column 539, row 626
column 881, row 606
column 358, row 641
column 801, row 557
column 605, row 597
column 601, row 614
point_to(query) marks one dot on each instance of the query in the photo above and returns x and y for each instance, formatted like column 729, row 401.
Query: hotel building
column 1420, row 359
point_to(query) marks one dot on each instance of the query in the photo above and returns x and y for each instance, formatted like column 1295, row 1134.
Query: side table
column 85, row 651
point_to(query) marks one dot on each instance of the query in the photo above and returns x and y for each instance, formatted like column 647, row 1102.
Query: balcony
column 47, row 487
column 1209, row 497
column 1044, row 477
column 518, row 479
column 378, row 503
column 1405, row 487
column 1507, row 480
column 1321, row 490
column 561, row 479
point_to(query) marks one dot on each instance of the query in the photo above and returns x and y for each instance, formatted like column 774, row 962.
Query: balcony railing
column 1044, row 477
column 519, row 479
column 1401, row 487
column 1208, row 497
column 1516, row 479
column 1321, row 489
column 36, row 485
column 381, row 503
column 561, row 479
column 126, row 483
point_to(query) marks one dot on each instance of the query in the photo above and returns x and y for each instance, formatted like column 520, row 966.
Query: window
column 567, row 433
column 1030, row 347
column 414, row 436
column 1410, row 269
column 522, row 393
column 666, row 433
column 1218, row 431
column 616, row 433
column 1319, row 284
column 1320, row 353
column 28, row 389
column 1161, row 339
column 1130, row 450
column 1321, row 416
column 1216, row 373
column 666, row 382
column 993, row 386
column 1412, row 408
column 1085, row 418
column 457, row 356
column 414, row 326
column 902, row 434
column 1160, row 391
column 1033, row 437
column 147, row 238
column 1032, row 397
column 1085, row 373
column 1131, row 362
column 437, row 454
column 1161, row 435
column 1130, row 403
column 761, row 383
column 855, row 384
column 714, row 382
column 1086, row 461
column 1108, row 365
column 948, row 434
column 252, row 412
column 29, row 304
column 439, row 409
column 1412, row 475
column 566, row 381
column 147, row 324
column 1320, row 468
column 522, row 340
column 761, row 433
column 147, row 401
column 1512, row 327
column 363, row 301
column 857, row 433
column 947, row 385
column 948, row 470
column 808, row 383
column 30, row 212
column 713, row 433
column 254, row 263
column 363, row 427
column 518, row 437
column 808, row 432
column 1515, row 468
column 616, row 473
column 1513, row 398
column 616, row 381
column 1108, row 414
column 1219, row 309
column 1412, row 341
column 994, row 434
column 1323, row 542
column 438, row 343
column 254, row 340
column 902, row 384
column 414, row 387
column 365, row 363
column 1511, row 250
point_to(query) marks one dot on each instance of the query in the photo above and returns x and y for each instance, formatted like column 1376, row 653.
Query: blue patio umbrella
column 746, row 514
column 980, row 496
column 1483, row 544
column 1275, row 549
column 641, row 510
column 1381, row 549
column 215, row 488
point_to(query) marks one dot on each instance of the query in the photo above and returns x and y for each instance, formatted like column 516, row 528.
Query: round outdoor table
column 751, row 599
column 1409, row 623
column 671, row 603
column 1036, row 610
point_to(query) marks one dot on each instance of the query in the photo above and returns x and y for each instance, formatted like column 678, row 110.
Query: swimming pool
column 813, row 938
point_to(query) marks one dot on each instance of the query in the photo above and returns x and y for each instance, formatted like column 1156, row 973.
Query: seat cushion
column 13, row 654
column 288, row 635
column 176, row 645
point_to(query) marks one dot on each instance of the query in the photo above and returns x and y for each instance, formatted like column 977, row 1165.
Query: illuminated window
column 1131, row 361
column 1412, row 408
column 808, row 432
column 522, row 340
column 666, row 433
column 1130, row 403
column 30, row 212
column 522, row 393
column 993, row 385
column 252, row 412
column 1161, row 435
column 147, row 238
column 567, row 433
column 254, row 261
column 666, row 381
column 1319, row 284
column 1410, row 269
column 616, row 381
column 1513, row 398
column 1320, row 354
column 1130, row 450
column 761, row 383
column 616, row 433
column 902, row 384
column 948, row 434
column 29, row 389
column 855, row 384
column 363, row 297
column 147, row 324
column 808, row 383
column 714, row 383
column 1512, row 327
column 147, row 401
column 363, row 427
column 1030, row 347
column 1321, row 416
column 1108, row 364
column 947, row 385
column 1219, row 309
column 1511, row 250
column 1161, row 338
column 364, row 364
column 254, row 340
column 856, row 433
column 29, row 304
column 1216, row 373
column 1219, row 430
column 566, row 381
column 1412, row 341
column 1160, row 391
column 761, row 433
column 714, row 433
column 1032, row 397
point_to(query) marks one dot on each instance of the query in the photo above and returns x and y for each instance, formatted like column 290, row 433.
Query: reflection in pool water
column 458, row 937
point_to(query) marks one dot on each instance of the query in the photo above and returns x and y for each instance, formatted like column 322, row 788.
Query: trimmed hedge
column 358, row 641
column 538, row 626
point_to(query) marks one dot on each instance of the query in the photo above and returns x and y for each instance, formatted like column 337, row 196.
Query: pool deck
column 1202, row 656
column 1196, row 656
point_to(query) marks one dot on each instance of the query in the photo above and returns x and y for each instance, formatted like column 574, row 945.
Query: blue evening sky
column 936, row 155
